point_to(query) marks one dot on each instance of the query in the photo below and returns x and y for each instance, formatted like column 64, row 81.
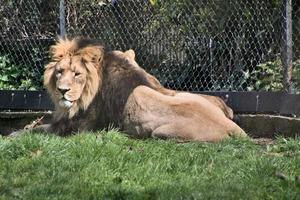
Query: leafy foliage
column 187, row 44
column 13, row 76
column 269, row 76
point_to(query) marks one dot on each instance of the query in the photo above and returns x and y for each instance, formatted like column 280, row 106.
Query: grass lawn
column 111, row 166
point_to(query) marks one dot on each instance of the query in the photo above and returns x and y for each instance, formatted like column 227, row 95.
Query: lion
column 93, row 89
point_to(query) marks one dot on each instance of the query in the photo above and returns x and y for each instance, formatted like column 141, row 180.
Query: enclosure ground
column 269, row 126
column 12, row 121
column 256, row 125
column 109, row 165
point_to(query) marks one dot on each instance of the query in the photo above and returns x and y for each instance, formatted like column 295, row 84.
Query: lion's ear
column 130, row 53
column 92, row 54
column 55, row 54
column 62, row 48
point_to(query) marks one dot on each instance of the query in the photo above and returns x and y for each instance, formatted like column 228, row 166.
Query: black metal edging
column 261, row 102
column 25, row 100
column 241, row 102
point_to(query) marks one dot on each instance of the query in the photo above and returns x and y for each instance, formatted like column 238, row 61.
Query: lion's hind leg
column 167, row 131
column 186, row 132
column 238, row 132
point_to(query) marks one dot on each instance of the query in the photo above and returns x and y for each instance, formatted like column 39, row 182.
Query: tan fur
column 217, row 101
column 112, row 89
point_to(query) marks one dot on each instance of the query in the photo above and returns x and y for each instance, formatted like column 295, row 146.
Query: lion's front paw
column 16, row 133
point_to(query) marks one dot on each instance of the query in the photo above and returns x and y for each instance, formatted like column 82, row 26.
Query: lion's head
column 73, row 76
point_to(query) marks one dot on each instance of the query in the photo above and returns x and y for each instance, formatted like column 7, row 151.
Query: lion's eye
column 59, row 71
column 77, row 73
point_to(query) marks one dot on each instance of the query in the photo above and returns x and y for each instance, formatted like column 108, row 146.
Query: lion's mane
column 92, row 54
column 104, row 96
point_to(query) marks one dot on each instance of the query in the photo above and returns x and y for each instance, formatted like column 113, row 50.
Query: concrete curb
column 269, row 126
column 266, row 126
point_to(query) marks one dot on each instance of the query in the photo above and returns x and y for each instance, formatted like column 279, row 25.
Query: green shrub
column 296, row 76
column 268, row 76
column 16, row 77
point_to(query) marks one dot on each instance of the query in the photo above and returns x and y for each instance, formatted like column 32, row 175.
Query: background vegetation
column 16, row 77
column 190, row 45
column 224, row 45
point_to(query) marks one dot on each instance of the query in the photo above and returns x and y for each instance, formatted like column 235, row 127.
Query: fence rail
column 280, row 103
column 195, row 45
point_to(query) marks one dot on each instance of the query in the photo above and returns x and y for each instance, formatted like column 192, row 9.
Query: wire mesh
column 188, row 44
column 27, row 28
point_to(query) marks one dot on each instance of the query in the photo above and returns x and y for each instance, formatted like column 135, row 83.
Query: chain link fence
column 27, row 28
column 191, row 45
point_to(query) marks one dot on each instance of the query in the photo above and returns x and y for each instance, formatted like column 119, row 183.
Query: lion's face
column 73, row 76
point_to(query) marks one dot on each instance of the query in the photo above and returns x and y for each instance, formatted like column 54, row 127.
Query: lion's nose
column 63, row 90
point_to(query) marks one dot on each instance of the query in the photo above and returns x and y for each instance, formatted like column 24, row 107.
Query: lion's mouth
column 65, row 103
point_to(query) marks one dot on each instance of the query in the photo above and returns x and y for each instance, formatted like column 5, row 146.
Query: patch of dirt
column 263, row 141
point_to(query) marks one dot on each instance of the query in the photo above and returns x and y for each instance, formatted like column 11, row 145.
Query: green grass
column 113, row 166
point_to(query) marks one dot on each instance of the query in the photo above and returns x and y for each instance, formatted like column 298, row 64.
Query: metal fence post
column 287, row 53
column 62, row 22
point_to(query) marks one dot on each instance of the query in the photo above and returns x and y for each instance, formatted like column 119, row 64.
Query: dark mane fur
column 118, row 83
column 86, row 42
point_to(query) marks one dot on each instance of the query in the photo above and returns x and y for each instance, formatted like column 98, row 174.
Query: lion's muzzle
column 65, row 103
